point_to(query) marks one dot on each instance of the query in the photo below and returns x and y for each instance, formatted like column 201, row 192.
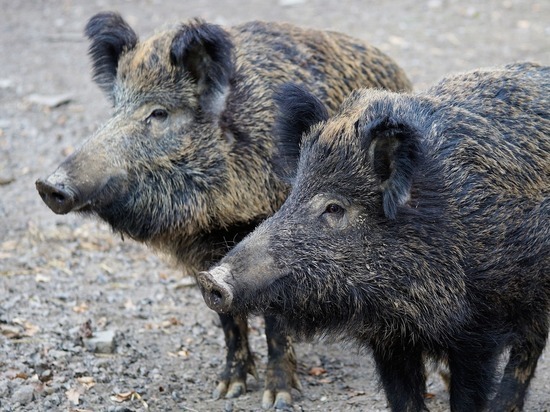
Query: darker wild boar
column 417, row 225
column 185, row 164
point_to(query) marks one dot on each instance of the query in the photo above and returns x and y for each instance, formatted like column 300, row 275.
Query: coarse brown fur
column 186, row 163
column 418, row 226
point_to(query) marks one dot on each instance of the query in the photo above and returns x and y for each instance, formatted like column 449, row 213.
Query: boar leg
column 239, row 359
column 281, row 368
column 520, row 369
column 402, row 375
column 472, row 376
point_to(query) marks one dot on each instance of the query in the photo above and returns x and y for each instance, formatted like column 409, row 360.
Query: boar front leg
column 402, row 375
column 281, row 368
column 473, row 368
column 239, row 361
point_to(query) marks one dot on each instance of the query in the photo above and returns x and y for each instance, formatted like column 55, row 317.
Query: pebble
column 23, row 395
column 50, row 101
column 228, row 407
column 4, row 389
column 52, row 400
column 101, row 342
column 46, row 375
column 287, row 3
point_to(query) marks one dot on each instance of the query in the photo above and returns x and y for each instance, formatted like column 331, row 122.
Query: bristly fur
column 454, row 267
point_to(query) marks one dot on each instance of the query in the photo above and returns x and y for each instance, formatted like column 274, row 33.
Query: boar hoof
column 220, row 391
column 281, row 401
column 236, row 389
column 233, row 390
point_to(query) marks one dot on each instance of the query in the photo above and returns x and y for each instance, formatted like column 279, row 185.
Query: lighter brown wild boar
column 185, row 163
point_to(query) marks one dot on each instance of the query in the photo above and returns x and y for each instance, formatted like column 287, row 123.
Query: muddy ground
column 63, row 277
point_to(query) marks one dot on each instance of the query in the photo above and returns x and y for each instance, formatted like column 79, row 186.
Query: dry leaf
column 9, row 245
column 42, row 278
column 317, row 371
column 89, row 246
column 87, row 381
column 83, row 307
column 170, row 322
column 129, row 396
column 50, row 101
column 107, row 269
column 183, row 353
column 10, row 332
column 67, row 150
column 73, row 395
column 122, row 397
column 30, row 329
column 129, row 304
column 60, row 265
column 101, row 323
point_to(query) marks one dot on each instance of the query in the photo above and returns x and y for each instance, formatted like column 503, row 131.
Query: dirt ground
column 63, row 277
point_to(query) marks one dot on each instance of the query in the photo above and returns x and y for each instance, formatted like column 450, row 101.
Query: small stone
column 101, row 342
column 50, row 101
column 23, row 395
column 52, row 402
column 288, row 3
column 46, row 375
column 6, row 83
column 4, row 389
column 228, row 407
column 58, row 354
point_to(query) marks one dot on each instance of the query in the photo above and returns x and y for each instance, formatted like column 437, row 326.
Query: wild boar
column 418, row 225
column 185, row 164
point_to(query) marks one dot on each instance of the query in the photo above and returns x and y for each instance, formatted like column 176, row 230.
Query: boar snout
column 60, row 197
column 217, row 293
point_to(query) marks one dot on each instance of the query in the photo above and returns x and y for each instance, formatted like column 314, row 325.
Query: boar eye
column 158, row 114
column 334, row 208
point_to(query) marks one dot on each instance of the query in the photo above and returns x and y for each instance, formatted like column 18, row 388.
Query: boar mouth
column 271, row 299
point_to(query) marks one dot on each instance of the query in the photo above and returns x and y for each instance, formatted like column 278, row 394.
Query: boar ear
column 297, row 111
column 205, row 51
column 110, row 36
column 393, row 151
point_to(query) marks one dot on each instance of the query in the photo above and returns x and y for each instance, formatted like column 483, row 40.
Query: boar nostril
column 58, row 197
column 216, row 297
